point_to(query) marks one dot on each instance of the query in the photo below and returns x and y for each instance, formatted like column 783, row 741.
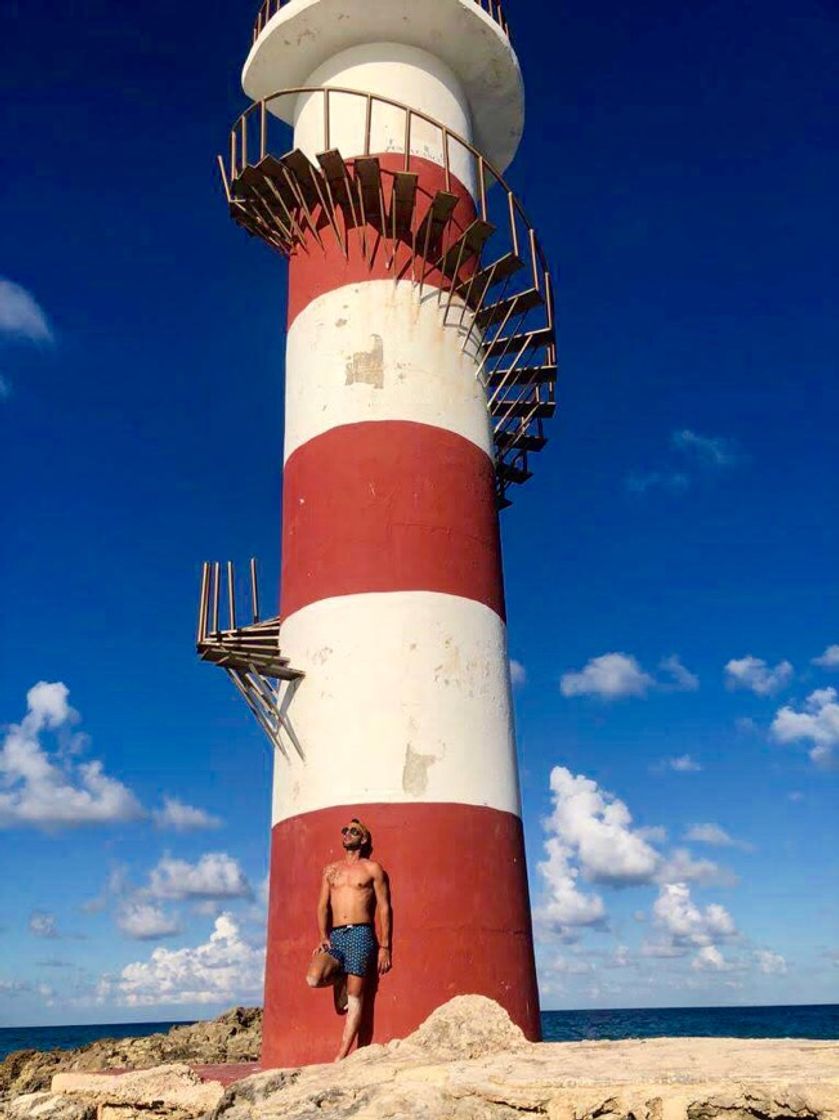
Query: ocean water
column 811, row 1021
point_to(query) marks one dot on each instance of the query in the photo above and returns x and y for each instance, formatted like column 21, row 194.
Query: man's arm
column 323, row 909
column 382, row 891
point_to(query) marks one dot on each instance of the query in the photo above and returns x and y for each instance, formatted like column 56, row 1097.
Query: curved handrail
column 515, row 330
column 487, row 173
column 270, row 8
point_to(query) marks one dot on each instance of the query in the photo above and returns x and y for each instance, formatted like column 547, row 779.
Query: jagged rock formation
column 235, row 1036
column 469, row 1062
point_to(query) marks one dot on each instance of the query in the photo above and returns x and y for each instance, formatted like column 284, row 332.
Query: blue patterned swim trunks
column 354, row 947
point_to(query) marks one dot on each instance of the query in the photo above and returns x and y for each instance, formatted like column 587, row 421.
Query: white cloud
column 708, row 451
column 610, row 676
column 596, row 828
column 681, row 763
column 215, row 875
column 769, row 962
column 43, row 924
column 225, row 969
column 817, row 721
column 684, row 925
column 518, row 674
column 709, row 958
column 680, row 866
column 182, row 817
column 58, row 791
column 683, row 679
column 145, row 921
column 5, row 388
column 709, row 833
column 829, row 659
column 754, row 674
column 20, row 315
column 565, row 908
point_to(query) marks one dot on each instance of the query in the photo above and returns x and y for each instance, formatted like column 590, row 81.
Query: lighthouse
column 420, row 368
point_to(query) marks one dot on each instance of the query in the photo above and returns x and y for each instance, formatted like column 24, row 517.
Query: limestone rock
column 235, row 1036
column 466, row 1027
column 169, row 1089
column 49, row 1106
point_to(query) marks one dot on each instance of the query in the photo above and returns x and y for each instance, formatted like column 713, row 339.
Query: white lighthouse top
column 304, row 34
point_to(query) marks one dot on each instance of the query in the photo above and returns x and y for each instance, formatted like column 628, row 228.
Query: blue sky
column 680, row 162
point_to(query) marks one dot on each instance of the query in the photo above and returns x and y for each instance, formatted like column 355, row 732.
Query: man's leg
column 355, row 1003
column 323, row 970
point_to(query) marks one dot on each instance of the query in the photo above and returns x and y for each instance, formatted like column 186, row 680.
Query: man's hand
column 323, row 946
column 384, row 961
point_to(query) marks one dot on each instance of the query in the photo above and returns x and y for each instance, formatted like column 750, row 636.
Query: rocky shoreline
column 466, row 1062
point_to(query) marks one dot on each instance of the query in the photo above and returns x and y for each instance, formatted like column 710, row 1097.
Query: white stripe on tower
column 393, row 607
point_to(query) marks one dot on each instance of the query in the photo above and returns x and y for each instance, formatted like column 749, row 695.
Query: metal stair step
column 515, row 304
column 520, row 440
column 435, row 220
column 404, row 200
column 533, row 410
column 468, row 245
column 368, row 174
column 512, row 473
column 305, row 175
column 511, row 344
column 475, row 288
column 522, row 375
column 337, row 177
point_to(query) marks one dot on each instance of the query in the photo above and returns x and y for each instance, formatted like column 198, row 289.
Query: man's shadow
column 371, row 989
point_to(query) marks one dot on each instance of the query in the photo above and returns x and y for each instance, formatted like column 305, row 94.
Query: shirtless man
column 352, row 891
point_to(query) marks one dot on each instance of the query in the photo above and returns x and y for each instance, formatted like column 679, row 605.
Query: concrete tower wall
column 392, row 597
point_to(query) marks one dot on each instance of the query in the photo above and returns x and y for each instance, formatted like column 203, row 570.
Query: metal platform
column 249, row 654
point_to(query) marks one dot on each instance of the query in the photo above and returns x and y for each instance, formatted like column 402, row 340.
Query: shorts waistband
column 353, row 925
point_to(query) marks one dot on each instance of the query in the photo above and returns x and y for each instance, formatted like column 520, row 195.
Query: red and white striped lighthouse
column 420, row 364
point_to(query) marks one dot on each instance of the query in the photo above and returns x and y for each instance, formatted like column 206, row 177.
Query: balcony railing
column 270, row 8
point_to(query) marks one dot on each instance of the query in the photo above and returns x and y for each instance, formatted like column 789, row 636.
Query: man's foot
column 339, row 996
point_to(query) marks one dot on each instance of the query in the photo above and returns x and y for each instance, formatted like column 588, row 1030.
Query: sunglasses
column 350, row 832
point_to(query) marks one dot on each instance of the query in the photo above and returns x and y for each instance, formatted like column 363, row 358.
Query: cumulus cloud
column 181, row 817
column 609, row 677
column 596, row 828
column 772, row 964
column 518, row 674
column 21, row 317
column 829, row 659
column 145, row 922
column 683, row 925
column 225, row 969
column 680, row 866
column 709, row 958
column 817, row 721
column 216, row 875
column 43, row 924
column 613, row 676
column 58, row 790
column 754, row 674
column 566, row 909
